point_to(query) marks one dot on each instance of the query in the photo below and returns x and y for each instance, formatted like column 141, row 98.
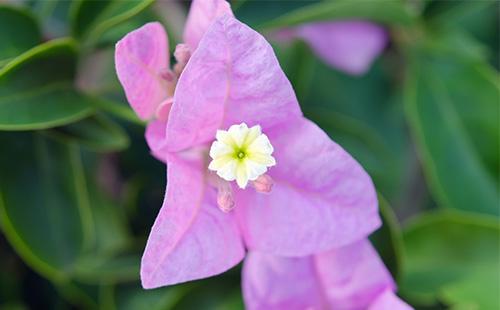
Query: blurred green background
column 79, row 190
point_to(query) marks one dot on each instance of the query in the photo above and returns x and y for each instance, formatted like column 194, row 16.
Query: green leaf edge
column 458, row 216
column 56, row 43
column 23, row 250
column 98, row 27
column 312, row 12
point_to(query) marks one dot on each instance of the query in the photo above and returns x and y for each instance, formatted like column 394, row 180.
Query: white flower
column 241, row 153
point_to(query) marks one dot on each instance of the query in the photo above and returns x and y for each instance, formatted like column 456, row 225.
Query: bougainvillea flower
column 143, row 67
column 321, row 198
column 350, row 46
column 351, row 277
column 276, row 182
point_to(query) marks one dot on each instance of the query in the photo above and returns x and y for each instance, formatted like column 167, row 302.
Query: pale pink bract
column 347, row 278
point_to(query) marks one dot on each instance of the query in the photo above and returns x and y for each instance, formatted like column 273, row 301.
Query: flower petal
column 389, row 301
column 191, row 238
column 322, row 198
column 233, row 77
column 220, row 162
column 274, row 282
column 350, row 46
column 139, row 58
column 261, row 144
column 155, row 137
column 219, row 149
column 241, row 175
column 228, row 170
column 202, row 14
column 350, row 277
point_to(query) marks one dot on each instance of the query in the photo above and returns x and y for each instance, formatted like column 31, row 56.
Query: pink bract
column 201, row 16
column 139, row 58
column 351, row 277
column 350, row 46
column 321, row 199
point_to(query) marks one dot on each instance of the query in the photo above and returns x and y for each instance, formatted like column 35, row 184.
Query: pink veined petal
column 232, row 77
column 155, row 137
column 202, row 14
column 191, row 238
column 350, row 46
column 353, row 276
column 389, row 301
column 139, row 58
column 321, row 199
column 274, row 282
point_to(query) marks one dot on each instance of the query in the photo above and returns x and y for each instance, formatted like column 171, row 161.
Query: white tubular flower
column 241, row 153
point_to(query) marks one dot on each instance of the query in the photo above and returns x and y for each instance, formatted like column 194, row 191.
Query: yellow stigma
column 241, row 153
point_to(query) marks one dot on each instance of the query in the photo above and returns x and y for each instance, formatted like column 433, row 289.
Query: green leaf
column 19, row 31
column 133, row 296
column 44, row 211
column 90, row 19
column 83, row 13
column 390, row 12
column 453, row 258
column 102, row 269
column 452, row 108
column 220, row 292
column 79, row 294
column 105, row 261
column 97, row 133
column 478, row 18
column 388, row 239
column 111, row 232
column 110, row 36
column 255, row 13
column 36, row 89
